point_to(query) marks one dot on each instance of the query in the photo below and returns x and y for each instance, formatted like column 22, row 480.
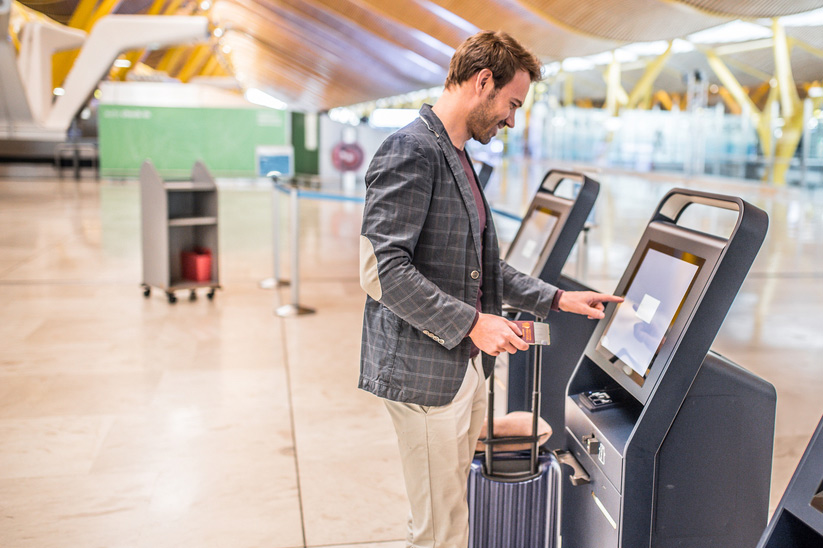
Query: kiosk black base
column 711, row 474
column 798, row 520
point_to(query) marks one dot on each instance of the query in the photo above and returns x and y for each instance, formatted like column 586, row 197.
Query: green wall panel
column 174, row 138
column 305, row 161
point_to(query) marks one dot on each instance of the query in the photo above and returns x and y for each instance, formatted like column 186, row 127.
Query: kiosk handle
column 678, row 199
column 578, row 475
column 555, row 177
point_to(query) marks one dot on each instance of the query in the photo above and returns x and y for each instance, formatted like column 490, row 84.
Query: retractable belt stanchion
column 275, row 281
column 294, row 308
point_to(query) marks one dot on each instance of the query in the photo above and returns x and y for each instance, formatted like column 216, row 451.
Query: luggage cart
column 179, row 216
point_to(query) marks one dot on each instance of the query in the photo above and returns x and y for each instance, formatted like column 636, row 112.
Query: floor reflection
column 127, row 421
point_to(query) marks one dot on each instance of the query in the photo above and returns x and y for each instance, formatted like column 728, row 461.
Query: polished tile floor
column 129, row 422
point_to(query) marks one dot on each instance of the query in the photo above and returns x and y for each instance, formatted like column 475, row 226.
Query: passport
column 535, row 332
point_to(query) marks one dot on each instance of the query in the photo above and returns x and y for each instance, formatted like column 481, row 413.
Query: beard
column 481, row 122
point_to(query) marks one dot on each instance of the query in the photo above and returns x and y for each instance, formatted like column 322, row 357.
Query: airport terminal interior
column 144, row 406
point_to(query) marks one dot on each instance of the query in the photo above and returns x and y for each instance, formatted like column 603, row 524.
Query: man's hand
column 494, row 334
column 589, row 303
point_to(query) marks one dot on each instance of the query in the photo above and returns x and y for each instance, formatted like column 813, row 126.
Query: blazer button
column 475, row 274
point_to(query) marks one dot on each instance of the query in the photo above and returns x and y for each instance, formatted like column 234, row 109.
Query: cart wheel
column 171, row 296
column 193, row 295
column 210, row 294
column 146, row 291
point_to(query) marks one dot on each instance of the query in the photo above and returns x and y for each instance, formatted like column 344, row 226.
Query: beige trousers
column 436, row 449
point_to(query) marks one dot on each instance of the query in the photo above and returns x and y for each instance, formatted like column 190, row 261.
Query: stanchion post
column 275, row 281
column 294, row 308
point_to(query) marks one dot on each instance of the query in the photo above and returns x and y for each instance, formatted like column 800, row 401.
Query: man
column 430, row 265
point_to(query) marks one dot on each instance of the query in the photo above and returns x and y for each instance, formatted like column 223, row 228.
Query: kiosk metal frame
column 681, row 458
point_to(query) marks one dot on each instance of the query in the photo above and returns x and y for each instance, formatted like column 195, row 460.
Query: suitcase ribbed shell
column 514, row 514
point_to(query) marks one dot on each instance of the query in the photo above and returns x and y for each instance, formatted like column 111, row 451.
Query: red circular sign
column 347, row 156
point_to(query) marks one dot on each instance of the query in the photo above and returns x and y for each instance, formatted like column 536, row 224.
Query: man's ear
column 484, row 82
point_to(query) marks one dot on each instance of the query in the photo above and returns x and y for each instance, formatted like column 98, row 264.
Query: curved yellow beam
column 133, row 57
column 616, row 96
column 643, row 87
column 731, row 84
column 790, row 105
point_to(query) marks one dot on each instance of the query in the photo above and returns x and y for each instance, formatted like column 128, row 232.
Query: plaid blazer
column 421, row 267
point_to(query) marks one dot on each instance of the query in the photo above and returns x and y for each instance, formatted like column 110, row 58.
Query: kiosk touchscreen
column 640, row 323
column 662, row 282
column 669, row 444
column 536, row 231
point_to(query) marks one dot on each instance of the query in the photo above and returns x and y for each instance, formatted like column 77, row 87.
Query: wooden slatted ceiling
column 628, row 20
column 329, row 55
column 549, row 41
column 318, row 54
column 388, row 25
column 754, row 8
column 62, row 10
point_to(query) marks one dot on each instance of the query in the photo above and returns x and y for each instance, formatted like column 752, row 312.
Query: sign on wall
column 225, row 139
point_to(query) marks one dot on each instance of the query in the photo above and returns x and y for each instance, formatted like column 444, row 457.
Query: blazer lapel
column 436, row 126
column 463, row 183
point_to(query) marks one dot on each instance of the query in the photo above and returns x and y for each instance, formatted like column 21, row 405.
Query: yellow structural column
column 568, row 90
column 729, row 101
column 85, row 15
column 664, row 99
column 616, row 96
column 761, row 120
column 643, row 89
column 104, row 9
column 62, row 60
column 173, row 61
column 133, row 57
column 196, row 61
column 790, row 105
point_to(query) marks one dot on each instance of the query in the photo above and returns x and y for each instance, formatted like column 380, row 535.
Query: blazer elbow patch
column 369, row 277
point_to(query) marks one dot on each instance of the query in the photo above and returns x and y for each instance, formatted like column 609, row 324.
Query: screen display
column 532, row 239
column 656, row 292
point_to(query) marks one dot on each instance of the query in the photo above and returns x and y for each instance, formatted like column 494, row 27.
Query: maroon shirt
column 481, row 212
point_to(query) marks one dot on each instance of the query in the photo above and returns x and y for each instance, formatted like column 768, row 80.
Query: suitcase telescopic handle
column 534, row 438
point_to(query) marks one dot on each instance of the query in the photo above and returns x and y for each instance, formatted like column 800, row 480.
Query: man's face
column 497, row 108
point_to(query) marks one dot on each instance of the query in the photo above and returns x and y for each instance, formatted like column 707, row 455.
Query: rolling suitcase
column 513, row 496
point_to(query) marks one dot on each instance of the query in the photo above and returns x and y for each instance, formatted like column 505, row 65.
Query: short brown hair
column 496, row 51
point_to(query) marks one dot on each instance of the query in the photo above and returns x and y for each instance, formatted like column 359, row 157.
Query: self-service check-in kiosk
column 552, row 225
column 668, row 444
column 798, row 520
